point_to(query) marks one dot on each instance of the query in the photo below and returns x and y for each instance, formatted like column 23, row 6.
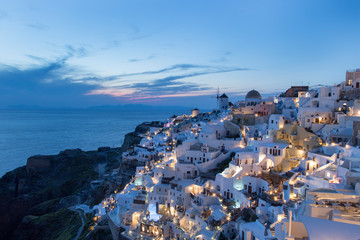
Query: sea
column 29, row 132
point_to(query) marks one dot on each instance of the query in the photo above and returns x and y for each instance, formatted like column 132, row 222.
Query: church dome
column 253, row 94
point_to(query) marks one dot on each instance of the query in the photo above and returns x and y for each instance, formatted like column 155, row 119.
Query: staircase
column 286, row 211
column 320, row 129
column 272, row 230
column 307, row 100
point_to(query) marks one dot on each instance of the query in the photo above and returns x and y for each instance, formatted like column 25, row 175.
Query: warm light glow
column 280, row 217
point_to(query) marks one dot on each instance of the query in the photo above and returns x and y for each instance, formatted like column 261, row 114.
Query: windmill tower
column 223, row 102
column 217, row 98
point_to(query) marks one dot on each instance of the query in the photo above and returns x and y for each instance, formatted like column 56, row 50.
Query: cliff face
column 134, row 137
column 44, row 179
column 39, row 164
column 35, row 197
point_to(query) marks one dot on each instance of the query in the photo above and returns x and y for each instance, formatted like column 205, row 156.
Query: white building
column 223, row 102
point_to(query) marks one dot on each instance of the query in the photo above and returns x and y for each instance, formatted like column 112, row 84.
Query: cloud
column 35, row 79
column 171, row 83
column 126, row 78
column 141, row 59
column 137, row 34
column 223, row 58
column 133, row 34
column 179, row 67
column 56, row 82
column 49, row 83
column 37, row 58
column 168, row 86
column 76, row 51
column 37, row 26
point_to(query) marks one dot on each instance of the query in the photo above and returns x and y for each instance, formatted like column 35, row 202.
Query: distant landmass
column 135, row 106
column 125, row 107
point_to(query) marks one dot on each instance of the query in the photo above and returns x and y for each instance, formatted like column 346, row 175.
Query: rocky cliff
column 35, row 198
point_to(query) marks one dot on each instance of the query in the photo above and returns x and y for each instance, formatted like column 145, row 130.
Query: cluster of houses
column 285, row 167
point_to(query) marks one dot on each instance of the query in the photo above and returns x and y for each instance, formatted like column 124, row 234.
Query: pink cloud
column 132, row 96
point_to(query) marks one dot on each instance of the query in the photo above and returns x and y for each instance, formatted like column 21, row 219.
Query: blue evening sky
column 87, row 53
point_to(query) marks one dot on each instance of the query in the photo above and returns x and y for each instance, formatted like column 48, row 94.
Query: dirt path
column 81, row 214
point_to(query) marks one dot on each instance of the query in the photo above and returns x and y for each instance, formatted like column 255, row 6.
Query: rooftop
column 224, row 96
column 318, row 228
column 253, row 94
column 324, row 190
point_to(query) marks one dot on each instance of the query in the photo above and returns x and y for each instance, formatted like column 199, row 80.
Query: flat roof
column 322, row 229
column 324, row 190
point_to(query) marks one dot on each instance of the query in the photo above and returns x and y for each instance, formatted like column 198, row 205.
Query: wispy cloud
column 48, row 83
column 141, row 59
column 37, row 26
column 137, row 33
column 223, row 58
column 37, row 58
column 56, row 79
column 133, row 34
column 169, row 86
column 182, row 67
column 127, row 78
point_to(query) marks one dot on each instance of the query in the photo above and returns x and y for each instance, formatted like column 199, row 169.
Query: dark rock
column 45, row 178
column 69, row 201
column 62, row 224
column 38, row 164
column 34, row 197
column 103, row 149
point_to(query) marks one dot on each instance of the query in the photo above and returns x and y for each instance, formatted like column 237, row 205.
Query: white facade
column 223, row 102
column 276, row 122
column 204, row 154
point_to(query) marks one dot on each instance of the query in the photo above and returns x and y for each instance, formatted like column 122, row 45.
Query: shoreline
column 45, row 186
column 43, row 132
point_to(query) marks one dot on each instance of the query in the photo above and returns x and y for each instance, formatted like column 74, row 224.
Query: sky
column 88, row 53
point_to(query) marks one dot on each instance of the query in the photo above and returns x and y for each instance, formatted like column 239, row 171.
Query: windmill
column 217, row 98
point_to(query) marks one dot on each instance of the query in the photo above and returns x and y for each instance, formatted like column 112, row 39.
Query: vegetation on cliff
column 59, row 225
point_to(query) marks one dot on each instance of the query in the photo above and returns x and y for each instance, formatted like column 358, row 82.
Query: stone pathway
column 81, row 214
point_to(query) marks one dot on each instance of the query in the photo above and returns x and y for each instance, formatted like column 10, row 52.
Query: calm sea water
column 24, row 133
